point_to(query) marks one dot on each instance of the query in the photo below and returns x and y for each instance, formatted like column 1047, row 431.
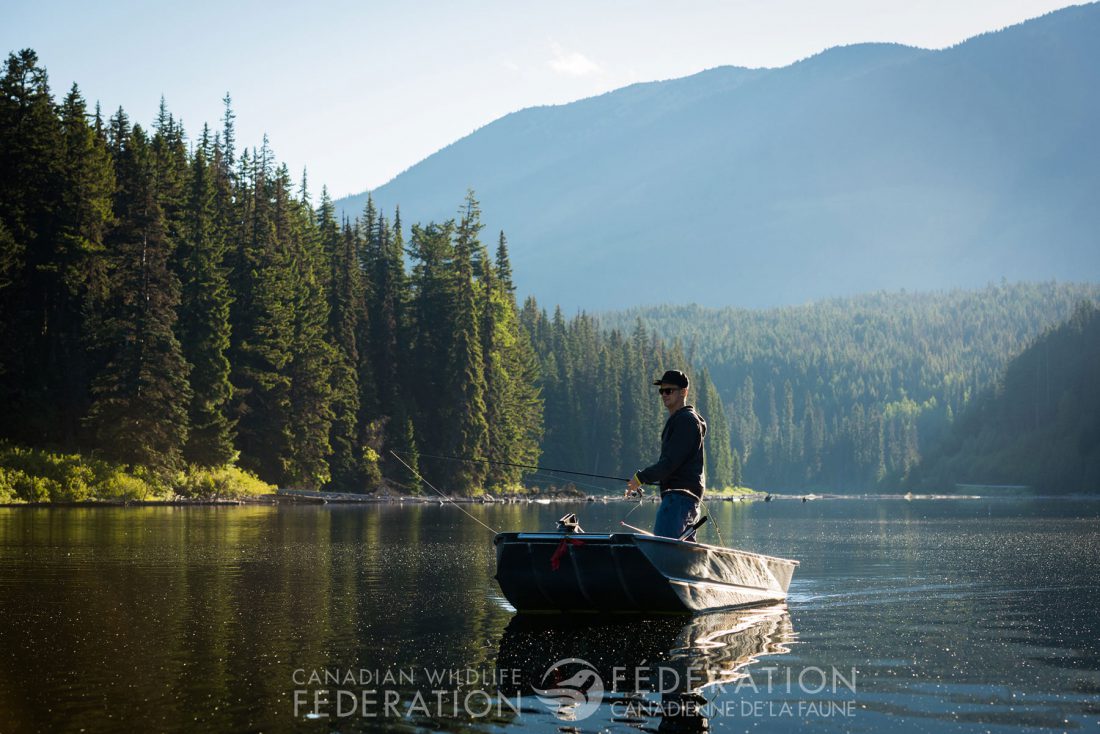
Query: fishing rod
column 537, row 468
column 522, row 466
column 445, row 497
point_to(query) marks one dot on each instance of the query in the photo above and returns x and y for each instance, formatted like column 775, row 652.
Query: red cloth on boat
column 555, row 560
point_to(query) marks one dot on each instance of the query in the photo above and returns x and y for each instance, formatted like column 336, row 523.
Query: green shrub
column 158, row 486
column 30, row 488
column 34, row 475
column 220, row 483
column 75, row 481
column 40, row 476
column 246, row 483
column 122, row 486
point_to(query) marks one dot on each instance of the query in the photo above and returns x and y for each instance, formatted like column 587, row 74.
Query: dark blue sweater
column 681, row 462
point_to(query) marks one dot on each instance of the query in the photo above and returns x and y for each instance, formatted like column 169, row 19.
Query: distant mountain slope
column 862, row 168
column 1040, row 425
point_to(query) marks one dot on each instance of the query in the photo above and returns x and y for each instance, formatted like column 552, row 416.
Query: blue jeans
column 678, row 511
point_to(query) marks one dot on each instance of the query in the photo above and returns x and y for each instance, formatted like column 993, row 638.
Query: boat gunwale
column 520, row 535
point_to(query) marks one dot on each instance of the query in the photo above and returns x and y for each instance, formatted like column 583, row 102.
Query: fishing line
column 533, row 467
column 548, row 477
column 715, row 523
column 635, row 507
column 417, row 475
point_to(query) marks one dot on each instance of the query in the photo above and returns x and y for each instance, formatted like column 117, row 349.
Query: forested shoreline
column 169, row 303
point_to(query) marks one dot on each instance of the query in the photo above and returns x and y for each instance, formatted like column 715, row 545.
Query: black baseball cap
column 673, row 377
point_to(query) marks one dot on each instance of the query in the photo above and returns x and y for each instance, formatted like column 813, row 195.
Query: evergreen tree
column 608, row 409
column 229, row 133
column 736, row 477
column 345, row 306
column 170, row 163
column 466, row 384
column 512, row 401
column 30, row 137
column 87, row 184
column 504, row 267
column 637, row 397
column 719, row 456
column 388, row 296
column 407, row 449
column 747, row 433
column 369, row 252
column 431, row 284
column 264, row 322
column 310, row 368
column 140, row 398
column 562, row 443
column 204, row 314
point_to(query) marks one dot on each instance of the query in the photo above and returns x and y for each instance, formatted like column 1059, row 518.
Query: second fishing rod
column 533, row 467
column 536, row 467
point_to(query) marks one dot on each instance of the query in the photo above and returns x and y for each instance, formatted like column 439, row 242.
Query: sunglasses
column 667, row 390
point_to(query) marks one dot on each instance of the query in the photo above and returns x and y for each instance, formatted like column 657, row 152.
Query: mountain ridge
column 863, row 167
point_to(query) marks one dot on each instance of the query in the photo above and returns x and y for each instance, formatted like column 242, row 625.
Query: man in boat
column 679, row 471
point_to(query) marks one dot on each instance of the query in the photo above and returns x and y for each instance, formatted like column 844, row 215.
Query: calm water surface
column 950, row 615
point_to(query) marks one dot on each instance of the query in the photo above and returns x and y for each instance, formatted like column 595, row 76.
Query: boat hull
column 628, row 572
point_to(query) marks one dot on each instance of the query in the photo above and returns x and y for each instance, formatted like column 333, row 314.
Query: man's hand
column 633, row 487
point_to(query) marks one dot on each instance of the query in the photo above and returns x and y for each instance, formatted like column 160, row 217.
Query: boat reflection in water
column 638, row 668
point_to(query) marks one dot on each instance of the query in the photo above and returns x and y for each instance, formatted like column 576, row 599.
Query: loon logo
column 572, row 689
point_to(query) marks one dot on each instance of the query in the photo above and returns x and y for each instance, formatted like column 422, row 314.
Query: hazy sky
column 359, row 91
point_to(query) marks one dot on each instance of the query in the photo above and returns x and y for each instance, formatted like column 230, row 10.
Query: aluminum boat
column 633, row 572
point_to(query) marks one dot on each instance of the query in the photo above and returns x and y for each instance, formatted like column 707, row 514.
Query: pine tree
column 608, row 408
column 512, row 400
column 345, row 306
column 387, row 304
column 229, row 133
column 772, row 440
column 719, row 456
column 637, row 396
column 561, row 444
column 790, row 437
column 30, row 142
column 310, row 413
column 139, row 409
column 204, row 314
column 87, row 184
column 747, row 432
column 263, row 322
column 737, row 478
column 406, row 448
column 431, row 283
column 369, row 252
column 504, row 266
column 466, row 385
column 172, row 171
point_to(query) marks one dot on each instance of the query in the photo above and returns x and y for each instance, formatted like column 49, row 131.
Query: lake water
column 924, row 615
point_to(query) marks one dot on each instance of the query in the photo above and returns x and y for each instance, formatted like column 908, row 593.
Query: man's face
column 671, row 395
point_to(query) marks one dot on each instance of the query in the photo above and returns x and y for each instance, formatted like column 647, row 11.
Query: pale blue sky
column 359, row 91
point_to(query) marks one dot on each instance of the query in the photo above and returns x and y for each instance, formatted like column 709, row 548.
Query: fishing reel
column 569, row 524
column 635, row 494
